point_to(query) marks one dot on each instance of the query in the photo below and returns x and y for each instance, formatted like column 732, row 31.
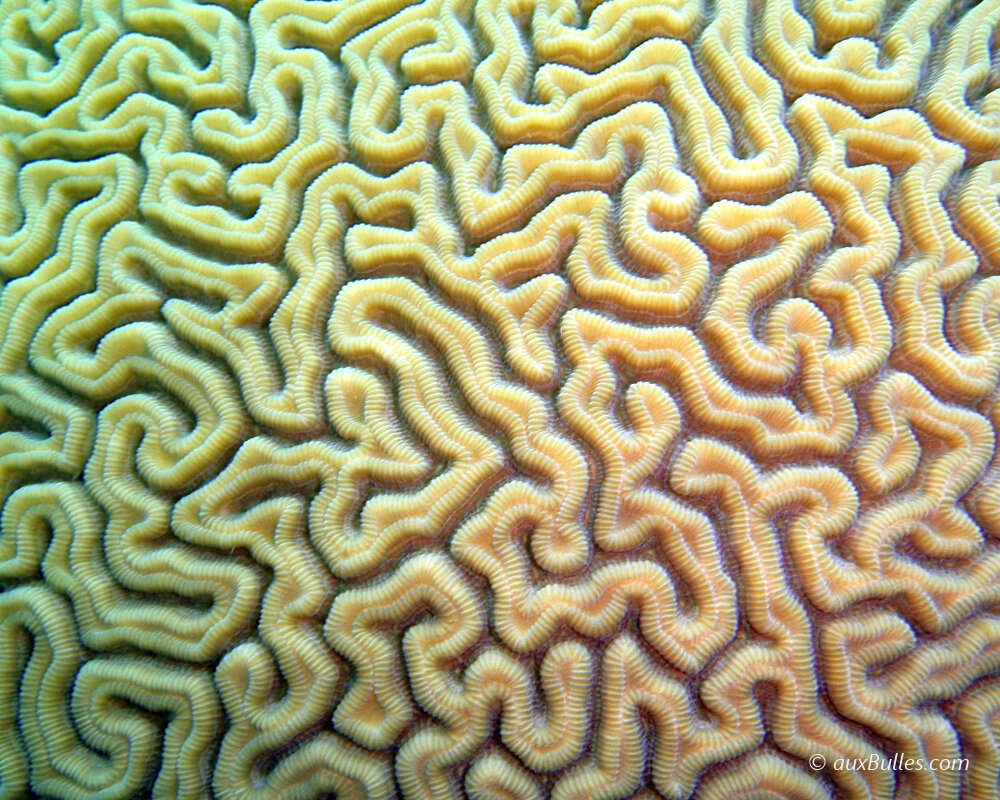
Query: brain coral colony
column 499, row 399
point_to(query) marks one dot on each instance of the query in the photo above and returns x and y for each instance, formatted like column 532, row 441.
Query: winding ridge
column 499, row 399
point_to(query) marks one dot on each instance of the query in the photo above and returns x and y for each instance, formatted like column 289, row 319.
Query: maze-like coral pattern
column 499, row 399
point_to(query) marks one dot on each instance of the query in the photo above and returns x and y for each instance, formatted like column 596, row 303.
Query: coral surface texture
column 499, row 399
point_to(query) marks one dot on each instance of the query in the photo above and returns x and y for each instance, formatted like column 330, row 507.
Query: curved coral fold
column 499, row 399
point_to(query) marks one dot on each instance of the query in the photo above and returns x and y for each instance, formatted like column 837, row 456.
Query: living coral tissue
column 499, row 399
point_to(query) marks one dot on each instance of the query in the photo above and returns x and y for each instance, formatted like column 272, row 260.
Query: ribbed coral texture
column 499, row 399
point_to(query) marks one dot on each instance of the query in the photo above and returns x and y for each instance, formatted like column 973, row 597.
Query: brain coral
column 499, row 399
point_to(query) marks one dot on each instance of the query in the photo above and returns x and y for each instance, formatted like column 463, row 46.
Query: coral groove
column 499, row 399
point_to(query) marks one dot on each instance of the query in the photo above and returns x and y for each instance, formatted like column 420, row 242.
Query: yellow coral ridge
column 869, row 75
column 961, row 103
column 499, row 399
